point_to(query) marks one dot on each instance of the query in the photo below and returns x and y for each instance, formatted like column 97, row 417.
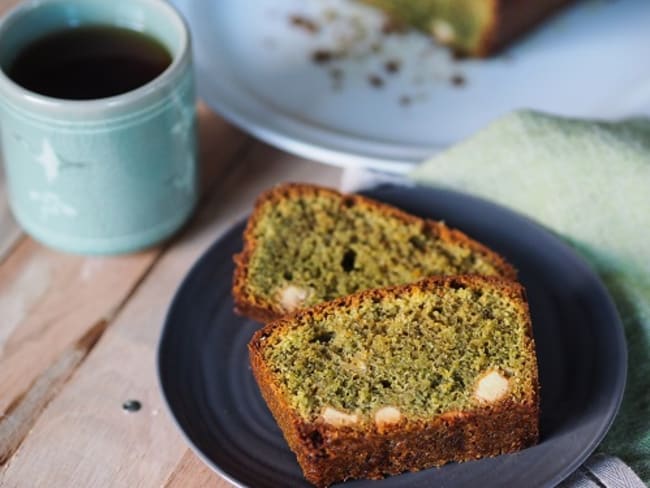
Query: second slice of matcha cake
column 305, row 244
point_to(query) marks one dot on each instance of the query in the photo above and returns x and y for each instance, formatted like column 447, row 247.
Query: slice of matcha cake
column 470, row 27
column 305, row 244
column 402, row 378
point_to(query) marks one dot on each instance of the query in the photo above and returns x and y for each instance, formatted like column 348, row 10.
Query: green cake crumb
column 315, row 248
column 423, row 353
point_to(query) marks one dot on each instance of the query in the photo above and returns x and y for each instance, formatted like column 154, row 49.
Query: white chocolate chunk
column 292, row 297
column 386, row 416
column 491, row 387
column 443, row 31
column 338, row 419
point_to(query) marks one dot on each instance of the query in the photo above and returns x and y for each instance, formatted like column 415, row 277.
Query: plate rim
column 617, row 327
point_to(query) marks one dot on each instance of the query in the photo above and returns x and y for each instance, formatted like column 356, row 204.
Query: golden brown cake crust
column 329, row 454
column 264, row 311
column 513, row 18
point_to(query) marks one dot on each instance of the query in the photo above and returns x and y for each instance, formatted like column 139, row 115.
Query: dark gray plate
column 207, row 382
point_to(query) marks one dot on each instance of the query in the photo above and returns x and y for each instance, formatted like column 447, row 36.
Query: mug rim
column 17, row 93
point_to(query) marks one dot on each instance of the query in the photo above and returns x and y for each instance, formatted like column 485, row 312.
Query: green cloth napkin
column 590, row 182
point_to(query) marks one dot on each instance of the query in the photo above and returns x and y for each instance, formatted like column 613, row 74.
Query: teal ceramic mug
column 106, row 175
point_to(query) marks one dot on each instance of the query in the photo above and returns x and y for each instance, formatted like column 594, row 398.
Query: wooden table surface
column 78, row 335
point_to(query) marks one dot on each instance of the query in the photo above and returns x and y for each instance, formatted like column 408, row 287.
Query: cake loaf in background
column 470, row 27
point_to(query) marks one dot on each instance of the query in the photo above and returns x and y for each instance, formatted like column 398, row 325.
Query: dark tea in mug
column 89, row 62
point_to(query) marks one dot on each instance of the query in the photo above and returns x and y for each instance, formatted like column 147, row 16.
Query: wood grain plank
column 24, row 410
column 48, row 300
column 191, row 472
column 8, row 4
column 104, row 445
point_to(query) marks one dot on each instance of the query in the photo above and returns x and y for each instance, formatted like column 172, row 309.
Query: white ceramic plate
column 255, row 67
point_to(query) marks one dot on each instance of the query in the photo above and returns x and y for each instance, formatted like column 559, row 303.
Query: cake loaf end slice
column 402, row 378
column 478, row 28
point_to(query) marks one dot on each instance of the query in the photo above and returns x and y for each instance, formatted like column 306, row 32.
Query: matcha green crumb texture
column 461, row 24
column 413, row 355
column 317, row 247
